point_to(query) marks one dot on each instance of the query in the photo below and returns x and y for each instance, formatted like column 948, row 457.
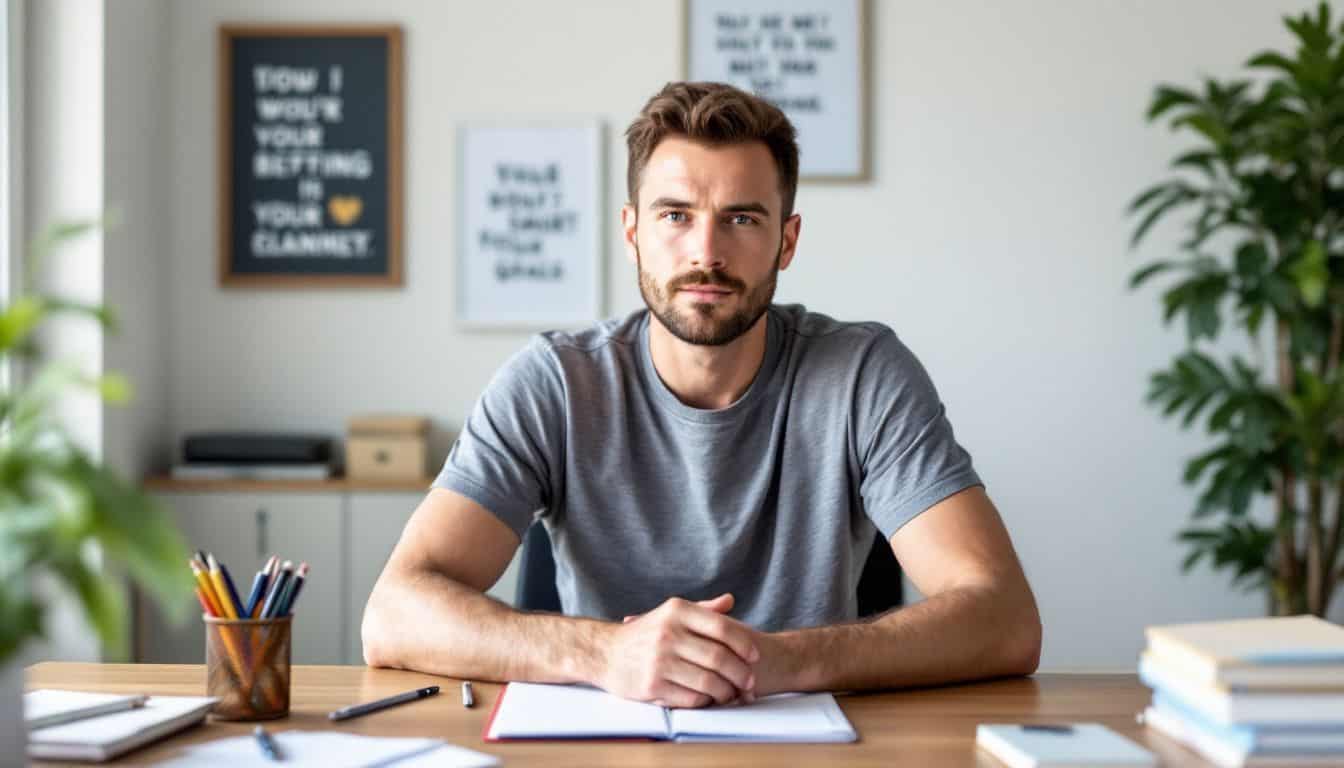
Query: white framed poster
column 529, row 242
column 807, row 57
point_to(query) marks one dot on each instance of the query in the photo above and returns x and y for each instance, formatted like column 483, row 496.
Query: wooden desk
column 930, row 728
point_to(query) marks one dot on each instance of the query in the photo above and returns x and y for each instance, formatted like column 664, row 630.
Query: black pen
column 267, row 744
column 355, row 710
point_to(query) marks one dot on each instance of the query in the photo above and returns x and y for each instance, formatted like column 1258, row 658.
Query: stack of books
column 1250, row 692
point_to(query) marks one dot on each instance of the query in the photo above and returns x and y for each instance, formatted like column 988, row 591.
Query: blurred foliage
column 1262, row 185
column 66, row 521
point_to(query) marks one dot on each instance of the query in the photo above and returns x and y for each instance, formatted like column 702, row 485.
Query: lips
column 707, row 289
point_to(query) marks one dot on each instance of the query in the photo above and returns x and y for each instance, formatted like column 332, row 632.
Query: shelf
column 165, row 484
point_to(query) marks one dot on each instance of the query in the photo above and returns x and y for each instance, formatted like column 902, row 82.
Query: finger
column 721, row 604
column 700, row 680
column 670, row 694
column 718, row 657
column 628, row 619
column 724, row 629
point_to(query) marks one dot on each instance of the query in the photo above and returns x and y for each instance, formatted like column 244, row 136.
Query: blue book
column 1041, row 746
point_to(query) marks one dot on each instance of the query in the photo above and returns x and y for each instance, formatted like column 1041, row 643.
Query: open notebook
column 536, row 711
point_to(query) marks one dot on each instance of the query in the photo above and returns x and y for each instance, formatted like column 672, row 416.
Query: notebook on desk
column 106, row 736
column 532, row 711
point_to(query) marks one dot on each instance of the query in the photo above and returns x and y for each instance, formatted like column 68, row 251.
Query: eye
column 676, row 217
column 741, row 218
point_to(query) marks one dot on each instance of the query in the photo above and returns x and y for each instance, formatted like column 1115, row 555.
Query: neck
column 707, row 377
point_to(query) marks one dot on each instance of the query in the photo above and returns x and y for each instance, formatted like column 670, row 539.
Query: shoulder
column 552, row 358
column 858, row 342
column 606, row 337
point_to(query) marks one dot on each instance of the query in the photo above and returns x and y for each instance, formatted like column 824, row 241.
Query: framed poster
column 529, row 243
column 310, row 152
column 807, row 57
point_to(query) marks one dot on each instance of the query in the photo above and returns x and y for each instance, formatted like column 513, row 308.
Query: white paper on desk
column 809, row 717
column 544, row 711
column 325, row 749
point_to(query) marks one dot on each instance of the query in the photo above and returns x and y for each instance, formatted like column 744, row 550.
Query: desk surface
column 932, row 727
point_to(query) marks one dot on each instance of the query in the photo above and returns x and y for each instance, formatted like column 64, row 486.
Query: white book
column 1073, row 744
column 1220, row 752
column 106, row 736
column 1278, row 652
column 1227, row 707
column 539, row 711
column 45, row 707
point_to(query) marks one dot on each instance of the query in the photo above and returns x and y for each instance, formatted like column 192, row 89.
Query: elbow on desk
column 1024, row 656
column 373, row 634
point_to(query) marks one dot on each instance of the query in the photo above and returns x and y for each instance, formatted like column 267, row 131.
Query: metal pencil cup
column 247, row 667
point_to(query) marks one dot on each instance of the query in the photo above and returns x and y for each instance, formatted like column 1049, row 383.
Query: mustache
column 714, row 277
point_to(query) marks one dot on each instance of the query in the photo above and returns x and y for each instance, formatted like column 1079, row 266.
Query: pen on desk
column 468, row 698
column 355, row 710
column 267, row 744
column 258, row 589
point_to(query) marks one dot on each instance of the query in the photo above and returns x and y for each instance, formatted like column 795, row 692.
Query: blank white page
column 538, row 711
column 811, row 717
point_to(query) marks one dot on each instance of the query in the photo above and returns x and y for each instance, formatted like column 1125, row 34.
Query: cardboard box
column 387, row 448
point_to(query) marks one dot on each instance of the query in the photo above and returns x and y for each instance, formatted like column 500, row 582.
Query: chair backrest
column 879, row 589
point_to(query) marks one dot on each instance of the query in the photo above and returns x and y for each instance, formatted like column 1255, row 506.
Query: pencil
column 207, row 591
column 297, row 584
column 277, row 591
column 221, row 588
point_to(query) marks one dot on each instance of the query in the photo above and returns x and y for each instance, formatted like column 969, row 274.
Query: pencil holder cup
column 247, row 667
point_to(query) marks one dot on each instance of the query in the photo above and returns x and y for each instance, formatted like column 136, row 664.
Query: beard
column 698, row 325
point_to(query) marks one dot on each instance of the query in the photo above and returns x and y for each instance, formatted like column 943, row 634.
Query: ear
column 629, row 232
column 792, row 226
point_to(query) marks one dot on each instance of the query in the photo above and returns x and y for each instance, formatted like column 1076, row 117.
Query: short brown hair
column 714, row 114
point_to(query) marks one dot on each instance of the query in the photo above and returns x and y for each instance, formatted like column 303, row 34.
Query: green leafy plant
column 1263, row 185
column 65, row 520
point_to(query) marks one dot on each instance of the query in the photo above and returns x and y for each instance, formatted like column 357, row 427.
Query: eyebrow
column 747, row 207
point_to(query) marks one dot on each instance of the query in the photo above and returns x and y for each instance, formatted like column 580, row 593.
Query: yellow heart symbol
column 345, row 210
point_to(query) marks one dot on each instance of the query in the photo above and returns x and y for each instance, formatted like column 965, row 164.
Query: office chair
column 879, row 589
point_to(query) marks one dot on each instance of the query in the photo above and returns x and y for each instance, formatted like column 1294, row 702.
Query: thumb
column 721, row 604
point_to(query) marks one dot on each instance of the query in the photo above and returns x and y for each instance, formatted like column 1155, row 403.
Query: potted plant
column 66, row 521
column 1263, row 186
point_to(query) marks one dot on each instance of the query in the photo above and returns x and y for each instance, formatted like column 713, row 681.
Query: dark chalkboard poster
column 310, row 156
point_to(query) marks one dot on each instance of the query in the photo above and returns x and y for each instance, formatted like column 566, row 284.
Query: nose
column 708, row 249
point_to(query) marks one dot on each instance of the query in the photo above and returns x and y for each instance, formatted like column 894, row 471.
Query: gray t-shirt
column 773, row 498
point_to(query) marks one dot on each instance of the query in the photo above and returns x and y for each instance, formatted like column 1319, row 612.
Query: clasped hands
column 685, row 654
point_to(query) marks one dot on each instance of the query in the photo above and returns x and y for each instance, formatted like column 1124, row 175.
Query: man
column 710, row 470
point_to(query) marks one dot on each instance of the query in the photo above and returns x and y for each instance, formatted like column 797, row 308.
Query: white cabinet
column 344, row 535
column 242, row 530
column 376, row 522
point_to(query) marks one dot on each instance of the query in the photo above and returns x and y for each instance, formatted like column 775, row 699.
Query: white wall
column 135, row 257
column 63, row 179
column 1006, row 137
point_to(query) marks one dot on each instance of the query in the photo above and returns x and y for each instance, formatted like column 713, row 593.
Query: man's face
column 708, row 237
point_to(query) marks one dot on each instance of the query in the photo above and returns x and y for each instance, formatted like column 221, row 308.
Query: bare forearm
column 962, row 634
column 425, row 621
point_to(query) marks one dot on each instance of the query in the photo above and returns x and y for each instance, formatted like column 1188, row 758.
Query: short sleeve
column 908, row 456
column 507, row 456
